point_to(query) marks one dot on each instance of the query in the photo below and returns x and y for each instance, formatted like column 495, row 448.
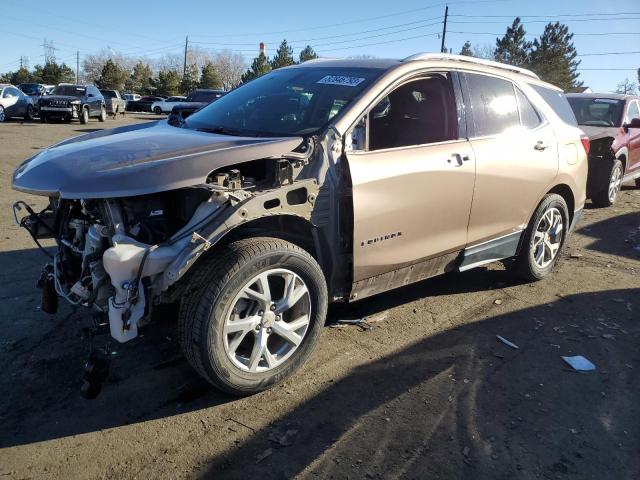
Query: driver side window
column 420, row 112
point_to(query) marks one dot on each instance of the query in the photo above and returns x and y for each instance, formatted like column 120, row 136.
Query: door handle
column 541, row 146
column 459, row 159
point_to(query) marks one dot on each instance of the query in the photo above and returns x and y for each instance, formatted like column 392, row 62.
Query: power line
column 573, row 33
column 547, row 20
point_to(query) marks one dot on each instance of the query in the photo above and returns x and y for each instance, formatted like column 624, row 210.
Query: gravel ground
column 426, row 392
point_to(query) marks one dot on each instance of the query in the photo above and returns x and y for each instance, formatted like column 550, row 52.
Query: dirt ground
column 426, row 392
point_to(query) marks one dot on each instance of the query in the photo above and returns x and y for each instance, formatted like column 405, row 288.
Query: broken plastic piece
column 507, row 342
column 579, row 363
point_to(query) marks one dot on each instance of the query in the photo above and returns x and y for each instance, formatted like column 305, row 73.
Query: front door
column 633, row 143
column 412, row 178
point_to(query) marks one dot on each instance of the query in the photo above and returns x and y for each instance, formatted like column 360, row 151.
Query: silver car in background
column 15, row 103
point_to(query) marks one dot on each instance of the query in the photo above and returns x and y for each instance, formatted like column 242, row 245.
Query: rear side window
column 558, row 102
column 633, row 111
column 493, row 104
column 529, row 116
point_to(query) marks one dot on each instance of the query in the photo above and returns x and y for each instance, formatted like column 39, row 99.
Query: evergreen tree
column 307, row 53
column 209, row 77
column 284, row 56
column 53, row 74
column 190, row 79
column 259, row 67
column 167, row 82
column 141, row 80
column 554, row 57
column 112, row 77
column 513, row 48
column 466, row 49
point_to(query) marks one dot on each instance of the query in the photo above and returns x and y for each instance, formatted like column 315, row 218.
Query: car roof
column 380, row 63
column 612, row 96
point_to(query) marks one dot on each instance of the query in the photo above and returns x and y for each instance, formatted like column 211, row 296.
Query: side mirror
column 634, row 123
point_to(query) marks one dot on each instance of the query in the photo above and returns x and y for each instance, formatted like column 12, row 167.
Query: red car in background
column 612, row 122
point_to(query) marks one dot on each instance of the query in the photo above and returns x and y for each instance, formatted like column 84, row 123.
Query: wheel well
column 565, row 192
column 623, row 159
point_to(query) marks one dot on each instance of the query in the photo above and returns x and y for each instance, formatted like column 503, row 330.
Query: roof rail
column 464, row 58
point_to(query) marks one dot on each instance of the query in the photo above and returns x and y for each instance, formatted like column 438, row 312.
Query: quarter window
column 558, row 102
column 493, row 104
column 419, row 112
column 529, row 116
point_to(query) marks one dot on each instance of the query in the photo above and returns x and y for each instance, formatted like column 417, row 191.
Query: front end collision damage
column 123, row 269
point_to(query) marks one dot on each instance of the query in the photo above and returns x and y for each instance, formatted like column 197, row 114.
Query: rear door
column 412, row 171
column 516, row 156
column 633, row 162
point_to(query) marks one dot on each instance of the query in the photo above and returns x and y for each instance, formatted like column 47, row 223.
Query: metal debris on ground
column 361, row 323
column 507, row 342
column 579, row 363
column 268, row 452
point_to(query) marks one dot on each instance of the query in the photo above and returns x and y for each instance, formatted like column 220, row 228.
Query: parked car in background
column 114, row 102
column 15, row 103
column 35, row 91
column 143, row 104
column 68, row 101
column 612, row 122
column 166, row 105
column 194, row 102
column 48, row 89
column 331, row 180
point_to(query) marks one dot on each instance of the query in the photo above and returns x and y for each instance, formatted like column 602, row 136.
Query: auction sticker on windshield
column 341, row 80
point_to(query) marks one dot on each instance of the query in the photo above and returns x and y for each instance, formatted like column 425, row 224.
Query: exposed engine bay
column 123, row 256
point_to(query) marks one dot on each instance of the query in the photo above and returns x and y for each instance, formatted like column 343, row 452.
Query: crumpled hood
column 137, row 160
column 595, row 133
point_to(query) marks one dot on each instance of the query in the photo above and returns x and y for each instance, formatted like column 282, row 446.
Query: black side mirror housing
column 634, row 123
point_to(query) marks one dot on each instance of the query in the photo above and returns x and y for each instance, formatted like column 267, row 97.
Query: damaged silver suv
column 333, row 180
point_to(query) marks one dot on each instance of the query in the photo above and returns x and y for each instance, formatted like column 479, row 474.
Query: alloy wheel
column 615, row 183
column 268, row 320
column 2, row 117
column 547, row 238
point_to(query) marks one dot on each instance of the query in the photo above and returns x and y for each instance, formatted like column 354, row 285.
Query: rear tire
column 43, row 118
column 2, row 114
column 610, row 186
column 157, row 110
column 103, row 114
column 638, row 182
column 29, row 114
column 252, row 358
column 544, row 239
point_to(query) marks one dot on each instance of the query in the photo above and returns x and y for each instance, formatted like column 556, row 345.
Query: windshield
column 30, row 88
column 297, row 101
column 69, row 91
column 597, row 112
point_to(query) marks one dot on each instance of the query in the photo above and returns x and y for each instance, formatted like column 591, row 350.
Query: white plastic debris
column 579, row 363
column 507, row 342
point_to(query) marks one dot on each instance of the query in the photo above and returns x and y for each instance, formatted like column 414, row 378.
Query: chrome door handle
column 541, row 146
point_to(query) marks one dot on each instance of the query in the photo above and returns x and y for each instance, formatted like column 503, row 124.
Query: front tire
column 157, row 110
column 252, row 314
column 29, row 114
column 543, row 239
column 2, row 114
column 607, row 195
column 43, row 118
column 84, row 116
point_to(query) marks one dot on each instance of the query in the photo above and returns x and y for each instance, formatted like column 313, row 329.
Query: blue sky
column 334, row 28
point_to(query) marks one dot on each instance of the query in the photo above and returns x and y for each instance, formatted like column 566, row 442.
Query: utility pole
column 77, row 66
column 444, row 29
column 186, row 46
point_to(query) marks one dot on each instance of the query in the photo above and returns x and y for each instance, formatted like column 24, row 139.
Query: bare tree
column 230, row 67
column 92, row 64
column 626, row 87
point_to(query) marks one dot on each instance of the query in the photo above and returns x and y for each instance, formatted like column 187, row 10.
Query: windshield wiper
column 221, row 130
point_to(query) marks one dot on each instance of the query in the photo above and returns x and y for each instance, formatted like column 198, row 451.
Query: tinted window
column 293, row 101
column 108, row 93
column 417, row 113
column 493, row 104
column 529, row 116
column 558, row 102
column 30, row 88
column 597, row 112
column 69, row 90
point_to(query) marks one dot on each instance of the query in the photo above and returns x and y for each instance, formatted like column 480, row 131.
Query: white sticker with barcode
column 341, row 80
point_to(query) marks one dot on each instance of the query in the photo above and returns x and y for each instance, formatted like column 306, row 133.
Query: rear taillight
column 585, row 143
